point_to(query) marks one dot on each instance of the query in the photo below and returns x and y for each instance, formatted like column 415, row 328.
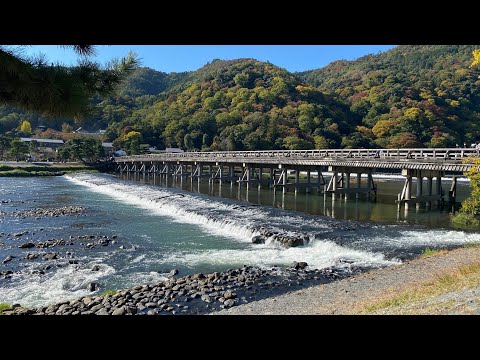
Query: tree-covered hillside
column 411, row 95
column 241, row 104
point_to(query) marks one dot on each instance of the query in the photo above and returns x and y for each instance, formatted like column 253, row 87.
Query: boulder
column 258, row 239
column 93, row 286
column 27, row 245
column 50, row 256
column 299, row 265
column 228, row 303
column 229, row 294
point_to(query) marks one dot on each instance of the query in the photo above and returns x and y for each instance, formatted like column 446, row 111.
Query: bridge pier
column 405, row 197
column 340, row 182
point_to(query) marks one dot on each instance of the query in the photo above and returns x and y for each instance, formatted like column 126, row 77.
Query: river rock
column 50, row 256
column 96, row 268
column 299, row 265
column 206, row 298
column 20, row 234
column 93, row 286
column 87, row 300
column 229, row 303
column 27, row 245
column 258, row 239
column 229, row 294
column 31, row 256
column 96, row 307
column 102, row 311
column 8, row 259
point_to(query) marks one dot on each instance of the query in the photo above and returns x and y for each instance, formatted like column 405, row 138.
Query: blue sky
column 169, row 58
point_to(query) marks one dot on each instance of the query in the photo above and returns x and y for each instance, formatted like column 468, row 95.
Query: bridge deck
column 454, row 160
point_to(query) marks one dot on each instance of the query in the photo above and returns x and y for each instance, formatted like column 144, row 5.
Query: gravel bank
column 349, row 295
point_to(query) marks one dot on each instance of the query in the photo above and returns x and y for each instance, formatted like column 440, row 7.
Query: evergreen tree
column 56, row 90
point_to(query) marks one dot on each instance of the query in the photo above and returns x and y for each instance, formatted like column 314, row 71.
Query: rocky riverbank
column 39, row 213
column 193, row 294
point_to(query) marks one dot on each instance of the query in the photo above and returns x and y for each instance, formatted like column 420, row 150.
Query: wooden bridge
column 273, row 167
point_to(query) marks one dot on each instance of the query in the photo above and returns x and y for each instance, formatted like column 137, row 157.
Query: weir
column 304, row 170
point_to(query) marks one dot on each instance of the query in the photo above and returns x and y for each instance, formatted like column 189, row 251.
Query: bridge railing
column 387, row 154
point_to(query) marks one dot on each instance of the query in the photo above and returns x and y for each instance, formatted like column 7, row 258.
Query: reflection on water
column 383, row 209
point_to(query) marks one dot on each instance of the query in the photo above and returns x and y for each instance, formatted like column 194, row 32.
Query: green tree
column 32, row 147
column 187, row 140
column 18, row 149
column 131, row 142
column 75, row 148
column 295, row 143
column 5, row 143
column 56, row 90
column 78, row 149
column 321, row 142
column 64, row 153
column 470, row 209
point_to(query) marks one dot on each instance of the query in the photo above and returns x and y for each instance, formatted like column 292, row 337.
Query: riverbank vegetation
column 468, row 215
column 4, row 307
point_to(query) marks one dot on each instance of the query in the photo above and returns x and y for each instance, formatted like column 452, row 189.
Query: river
column 195, row 227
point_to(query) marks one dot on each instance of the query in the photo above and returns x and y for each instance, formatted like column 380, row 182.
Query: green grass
column 108, row 293
column 471, row 245
column 392, row 302
column 4, row 307
column 429, row 252
column 467, row 276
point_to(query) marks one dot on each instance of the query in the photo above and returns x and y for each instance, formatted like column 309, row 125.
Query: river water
column 198, row 227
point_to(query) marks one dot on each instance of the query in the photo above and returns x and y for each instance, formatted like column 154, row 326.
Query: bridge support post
column 335, row 180
column 260, row 177
column 346, row 184
column 408, row 191
column 419, row 189
column 297, row 178
column 369, row 183
column 452, row 194
column 359, row 183
column 439, row 189
column 231, row 174
column 428, row 204
column 307, row 189
column 319, row 181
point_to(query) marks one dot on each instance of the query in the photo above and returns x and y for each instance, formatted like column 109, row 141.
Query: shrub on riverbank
column 4, row 307
column 468, row 214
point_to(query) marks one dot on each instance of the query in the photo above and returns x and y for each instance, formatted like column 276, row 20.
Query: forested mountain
column 241, row 104
column 407, row 97
column 411, row 95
